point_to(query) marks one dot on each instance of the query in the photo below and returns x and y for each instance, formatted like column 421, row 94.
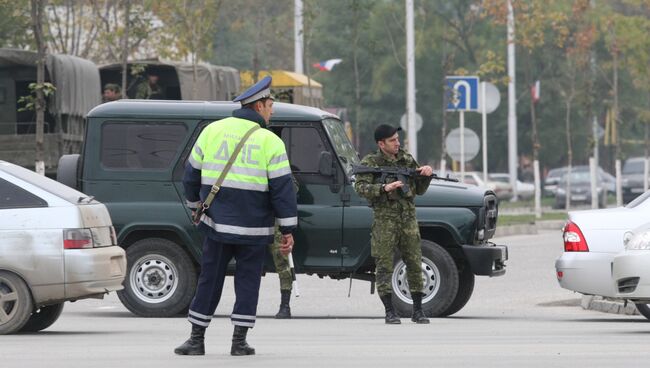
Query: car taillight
column 574, row 241
column 77, row 239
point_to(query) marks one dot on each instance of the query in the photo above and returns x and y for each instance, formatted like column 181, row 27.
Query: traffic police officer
column 395, row 225
column 257, row 192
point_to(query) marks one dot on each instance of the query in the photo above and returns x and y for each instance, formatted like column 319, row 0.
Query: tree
column 37, row 10
column 14, row 22
column 189, row 26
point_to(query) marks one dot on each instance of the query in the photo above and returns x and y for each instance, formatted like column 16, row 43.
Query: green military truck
column 133, row 158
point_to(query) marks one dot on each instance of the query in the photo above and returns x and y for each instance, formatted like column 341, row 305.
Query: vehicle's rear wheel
column 43, row 318
column 15, row 303
column 160, row 278
column 465, row 290
column 644, row 309
column 440, row 277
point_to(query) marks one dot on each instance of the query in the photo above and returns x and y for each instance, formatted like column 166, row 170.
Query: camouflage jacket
column 369, row 185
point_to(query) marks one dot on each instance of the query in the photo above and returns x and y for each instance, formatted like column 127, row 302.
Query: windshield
column 347, row 155
column 578, row 177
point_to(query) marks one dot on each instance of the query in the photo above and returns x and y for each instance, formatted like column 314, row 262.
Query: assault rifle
column 401, row 174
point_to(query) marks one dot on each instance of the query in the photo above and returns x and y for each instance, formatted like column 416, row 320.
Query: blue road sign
column 462, row 93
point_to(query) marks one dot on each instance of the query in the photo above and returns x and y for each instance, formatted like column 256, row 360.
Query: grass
column 505, row 220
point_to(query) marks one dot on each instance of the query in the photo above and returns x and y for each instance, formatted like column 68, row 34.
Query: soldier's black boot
column 239, row 344
column 285, row 310
column 193, row 345
column 391, row 317
column 418, row 316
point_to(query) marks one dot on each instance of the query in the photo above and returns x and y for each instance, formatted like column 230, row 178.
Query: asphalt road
column 523, row 319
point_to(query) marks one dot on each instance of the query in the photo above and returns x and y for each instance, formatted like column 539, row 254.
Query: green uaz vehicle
column 133, row 158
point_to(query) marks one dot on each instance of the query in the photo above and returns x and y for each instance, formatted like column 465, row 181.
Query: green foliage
column 29, row 101
column 15, row 24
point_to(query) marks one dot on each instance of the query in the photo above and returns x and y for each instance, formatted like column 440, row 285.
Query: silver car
column 56, row 245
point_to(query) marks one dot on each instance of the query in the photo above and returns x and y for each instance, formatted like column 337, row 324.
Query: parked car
column 524, row 190
column 552, row 179
column 631, row 269
column 503, row 190
column 580, row 190
column 56, row 245
column 592, row 239
column 632, row 181
column 555, row 175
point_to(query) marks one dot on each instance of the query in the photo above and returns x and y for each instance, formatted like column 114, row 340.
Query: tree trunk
column 569, row 150
column 37, row 8
column 125, row 45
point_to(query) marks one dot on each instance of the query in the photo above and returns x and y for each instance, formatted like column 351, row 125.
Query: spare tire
column 67, row 170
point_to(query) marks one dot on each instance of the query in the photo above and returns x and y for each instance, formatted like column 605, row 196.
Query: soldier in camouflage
column 284, row 273
column 395, row 225
column 281, row 263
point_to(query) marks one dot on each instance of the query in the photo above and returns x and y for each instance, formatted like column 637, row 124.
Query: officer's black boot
column 193, row 345
column 418, row 316
column 239, row 344
column 285, row 310
column 391, row 317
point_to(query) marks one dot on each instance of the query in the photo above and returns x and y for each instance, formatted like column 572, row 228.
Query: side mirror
column 326, row 164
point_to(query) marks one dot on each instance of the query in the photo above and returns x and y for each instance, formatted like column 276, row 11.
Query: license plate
column 578, row 197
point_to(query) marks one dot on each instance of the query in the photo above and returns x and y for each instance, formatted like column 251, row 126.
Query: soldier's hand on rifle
column 392, row 186
column 287, row 244
column 425, row 170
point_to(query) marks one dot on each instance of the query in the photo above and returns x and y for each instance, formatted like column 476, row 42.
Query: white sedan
column 631, row 267
column 56, row 245
column 592, row 239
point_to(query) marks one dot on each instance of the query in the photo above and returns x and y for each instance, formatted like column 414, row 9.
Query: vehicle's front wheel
column 15, row 303
column 440, row 277
column 160, row 278
column 43, row 318
column 465, row 290
column 644, row 309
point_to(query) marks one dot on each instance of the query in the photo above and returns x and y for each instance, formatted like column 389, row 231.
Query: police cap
column 385, row 131
column 258, row 91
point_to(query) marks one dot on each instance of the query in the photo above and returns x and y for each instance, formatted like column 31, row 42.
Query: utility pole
column 298, row 40
column 512, row 104
column 410, row 82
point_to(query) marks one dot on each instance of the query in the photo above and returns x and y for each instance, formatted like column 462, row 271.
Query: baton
column 294, row 282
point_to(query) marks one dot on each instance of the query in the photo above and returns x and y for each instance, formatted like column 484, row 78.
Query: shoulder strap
column 217, row 185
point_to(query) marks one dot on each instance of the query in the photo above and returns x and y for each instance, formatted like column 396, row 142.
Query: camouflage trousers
column 281, row 262
column 390, row 233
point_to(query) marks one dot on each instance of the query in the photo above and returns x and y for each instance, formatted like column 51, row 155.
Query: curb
column 600, row 304
column 529, row 229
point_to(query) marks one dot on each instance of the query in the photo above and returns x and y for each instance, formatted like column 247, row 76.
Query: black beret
column 385, row 131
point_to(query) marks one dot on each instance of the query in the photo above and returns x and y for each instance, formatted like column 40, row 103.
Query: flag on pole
column 534, row 92
column 327, row 65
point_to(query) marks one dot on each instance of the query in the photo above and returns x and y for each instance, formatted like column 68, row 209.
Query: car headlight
column 640, row 241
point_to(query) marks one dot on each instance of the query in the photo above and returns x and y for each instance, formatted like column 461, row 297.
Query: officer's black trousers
column 248, row 273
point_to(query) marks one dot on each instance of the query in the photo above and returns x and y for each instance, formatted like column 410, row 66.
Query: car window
column 342, row 145
column 12, row 196
column 141, row 145
column 303, row 145
column 633, row 167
